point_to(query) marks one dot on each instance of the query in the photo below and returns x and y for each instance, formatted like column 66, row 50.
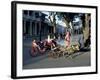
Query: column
column 35, row 27
column 39, row 27
column 30, row 27
column 28, row 13
column 24, row 26
column 40, row 31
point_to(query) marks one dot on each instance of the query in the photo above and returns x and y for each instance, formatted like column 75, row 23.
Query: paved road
column 77, row 60
column 44, row 62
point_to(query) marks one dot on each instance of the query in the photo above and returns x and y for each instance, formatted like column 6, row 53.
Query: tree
column 65, row 18
column 52, row 18
column 86, row 30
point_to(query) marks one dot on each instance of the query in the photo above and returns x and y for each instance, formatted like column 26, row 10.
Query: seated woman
column 50, row 44
column 36, row 48
column 41, row 47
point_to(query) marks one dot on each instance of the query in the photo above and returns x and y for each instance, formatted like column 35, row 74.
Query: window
column 37, row 14
column 25, row 12
column 30, row 13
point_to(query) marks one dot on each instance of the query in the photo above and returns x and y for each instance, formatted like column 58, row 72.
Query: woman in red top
column 67, row 39
column 36, row 48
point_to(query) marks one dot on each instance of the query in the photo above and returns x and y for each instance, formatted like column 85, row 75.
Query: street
column 43, row 61
column 80, row 60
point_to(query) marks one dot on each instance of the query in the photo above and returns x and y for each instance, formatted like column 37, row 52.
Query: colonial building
column 34, row 24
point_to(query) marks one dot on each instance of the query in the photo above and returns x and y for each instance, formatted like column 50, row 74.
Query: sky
column 58, row 21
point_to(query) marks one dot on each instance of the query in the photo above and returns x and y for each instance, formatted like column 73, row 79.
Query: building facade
column 34, row 24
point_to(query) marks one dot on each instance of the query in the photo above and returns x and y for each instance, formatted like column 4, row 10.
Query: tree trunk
column 86, row 30
column 65, row 19
column 54, row 28
column 53, row 21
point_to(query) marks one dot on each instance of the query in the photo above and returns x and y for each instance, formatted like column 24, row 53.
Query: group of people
column 42, row 46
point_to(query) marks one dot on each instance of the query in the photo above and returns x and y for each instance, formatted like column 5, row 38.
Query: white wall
column 5, row 39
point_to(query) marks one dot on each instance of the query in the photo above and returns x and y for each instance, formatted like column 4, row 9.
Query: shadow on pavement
column 35, row 58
